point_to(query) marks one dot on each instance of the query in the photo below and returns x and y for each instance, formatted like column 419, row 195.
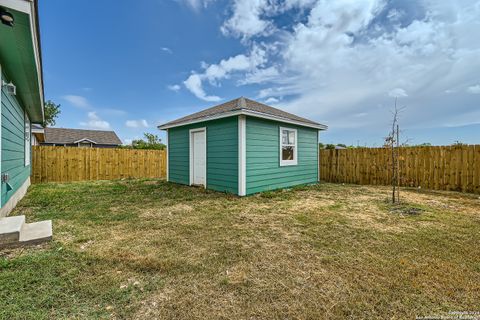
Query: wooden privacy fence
column 438, row 168
column 63, row 164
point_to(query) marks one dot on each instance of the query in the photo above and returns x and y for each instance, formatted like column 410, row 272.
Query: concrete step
column 10, row 228
column 36, row 232
column 14, row 232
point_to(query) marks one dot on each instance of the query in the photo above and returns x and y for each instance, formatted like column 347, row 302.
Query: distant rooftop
column 242, row 106
column 69, row 136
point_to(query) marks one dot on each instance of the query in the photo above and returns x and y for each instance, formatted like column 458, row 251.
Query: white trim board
column 294, row 162
column 242, row 155
column 190, row 144
column 166, row 162
column 318, row 157
column 246, row 113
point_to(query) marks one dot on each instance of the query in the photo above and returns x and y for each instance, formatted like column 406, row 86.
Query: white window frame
column 27, row 139
column 293, row 162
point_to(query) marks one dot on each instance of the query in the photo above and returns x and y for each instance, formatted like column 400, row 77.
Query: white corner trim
column 318, row 157
column 242, row 155
column 17, row 196
column 293, row 162
column 190, row 143
column 167, row 156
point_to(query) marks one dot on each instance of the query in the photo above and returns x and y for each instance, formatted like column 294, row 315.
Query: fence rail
column 438, row 168
column 63, row 164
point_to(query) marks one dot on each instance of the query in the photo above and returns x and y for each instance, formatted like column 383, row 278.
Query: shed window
column 288, row 146
column 27, row 140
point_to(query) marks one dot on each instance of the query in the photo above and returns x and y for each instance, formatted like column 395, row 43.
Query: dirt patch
column 167, row 211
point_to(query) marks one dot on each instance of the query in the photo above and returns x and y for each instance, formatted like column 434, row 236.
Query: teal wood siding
column 13, row 145
column 263, row 156
column 222, row 154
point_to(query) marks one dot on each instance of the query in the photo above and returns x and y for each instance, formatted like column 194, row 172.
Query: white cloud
column 194, row 84
column 397, row 93
column 223, row 70
column 174, row 87
column 260, row 76
column 395, row 15
column 167, row 50
column 334, row 60
column 196, row 5
column 246, row 20
column 94, row 122
column 272, row 100
column 474, row 89
column 137, row 123
column 77, row 101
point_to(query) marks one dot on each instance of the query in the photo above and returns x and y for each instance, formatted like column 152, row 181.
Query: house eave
column 246, row 113
column 25, row 56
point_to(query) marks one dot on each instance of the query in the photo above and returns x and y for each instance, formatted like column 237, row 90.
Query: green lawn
column 149, row 249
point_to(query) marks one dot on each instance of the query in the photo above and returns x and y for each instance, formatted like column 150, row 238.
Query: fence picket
column 63, row 164
column 438, row 168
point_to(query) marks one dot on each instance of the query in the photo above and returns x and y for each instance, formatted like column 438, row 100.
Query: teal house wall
column 21, row 98
column 263, row 170
column 12, row 145
column 222, row 154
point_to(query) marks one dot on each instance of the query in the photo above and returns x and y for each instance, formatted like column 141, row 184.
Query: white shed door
column 199, row 158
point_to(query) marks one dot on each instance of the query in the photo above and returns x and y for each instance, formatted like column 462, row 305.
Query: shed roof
column 68, row 136
column 242, row 106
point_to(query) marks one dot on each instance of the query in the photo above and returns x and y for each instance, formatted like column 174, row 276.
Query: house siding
column 13, row 145
column 222, row 154
column 263, row 170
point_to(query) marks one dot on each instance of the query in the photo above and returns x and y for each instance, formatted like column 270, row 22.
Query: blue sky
column 131, row 65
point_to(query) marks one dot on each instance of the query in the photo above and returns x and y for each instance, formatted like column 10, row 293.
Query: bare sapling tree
column 392, row 141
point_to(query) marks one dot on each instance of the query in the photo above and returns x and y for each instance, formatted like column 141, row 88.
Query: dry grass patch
column 150, row 249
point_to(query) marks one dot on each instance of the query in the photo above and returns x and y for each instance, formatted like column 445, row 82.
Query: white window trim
column 190, row 137
column 27, row 139
column 293, row 162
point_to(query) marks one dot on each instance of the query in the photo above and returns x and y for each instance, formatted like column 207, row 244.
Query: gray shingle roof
column 67, row 136
column 240, row 104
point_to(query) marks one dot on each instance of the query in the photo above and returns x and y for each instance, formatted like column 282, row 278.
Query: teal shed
column 242, row 147
column 21, row 98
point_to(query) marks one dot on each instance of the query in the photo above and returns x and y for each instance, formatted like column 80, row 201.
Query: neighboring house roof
column 69, row 136
column 243, row 106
